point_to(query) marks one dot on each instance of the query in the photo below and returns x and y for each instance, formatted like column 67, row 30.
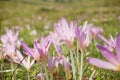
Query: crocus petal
column 108, row 55
column 19, row 55
column 51, row 64
column 118, row 46
column 101, row 64
column 36, row 49
column 104, row 39
column 27, row 49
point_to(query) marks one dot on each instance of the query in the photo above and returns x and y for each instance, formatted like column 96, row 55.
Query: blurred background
column 40, row 15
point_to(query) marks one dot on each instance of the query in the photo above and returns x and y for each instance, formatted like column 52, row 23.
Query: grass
column 102, row 13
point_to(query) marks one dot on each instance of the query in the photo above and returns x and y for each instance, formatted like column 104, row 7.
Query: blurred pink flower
column 27, row 27
column 10, row 37
column 24, row 62
column 39, row 50
column 10, row 43
column 43, row 47
column 95, row 31
column 65, row 31
column 33, row 32
column 113, row 61
column 31, row 52
column 51, row 64
column 83, row 36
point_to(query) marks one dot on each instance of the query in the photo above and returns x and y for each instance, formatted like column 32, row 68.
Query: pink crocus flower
column 31, row 52
column 65, row 31
column 10, row 43
column 10, row 37
column 83, row 36
column 113, row 60
column 43, row 47
column 39, row 50
column 24, row 62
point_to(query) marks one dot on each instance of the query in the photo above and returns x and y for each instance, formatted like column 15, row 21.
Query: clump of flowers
column 70, row 60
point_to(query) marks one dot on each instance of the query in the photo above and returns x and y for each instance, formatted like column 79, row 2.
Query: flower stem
column 92, row 75
column 45, row 69
column 12, row 68
column 28, row 75
column 2, row 67
column 51, row 76
column 47, row 78
column 81, row 65
column 73, row 65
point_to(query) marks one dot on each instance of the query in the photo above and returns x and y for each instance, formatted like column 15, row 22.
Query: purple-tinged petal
column 108, row 55
column 26, row 49
column 118, row 46
column 104, row 39
column 77, row 32
column 51, row 64
column 36, row 48
column 102, row 64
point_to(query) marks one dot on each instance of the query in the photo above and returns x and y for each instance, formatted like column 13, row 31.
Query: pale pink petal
column 27, row 50
column 51, row 64
column 101, row 63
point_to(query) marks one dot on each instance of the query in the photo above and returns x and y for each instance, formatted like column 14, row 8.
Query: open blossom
column 39, row 50
column 66, row 31
column 110, row 44
column 10, row 37
column 31, row 52
column 83, row 36
column 113, row 61
column 10, row 43
column 43, row 47
column 24, row 62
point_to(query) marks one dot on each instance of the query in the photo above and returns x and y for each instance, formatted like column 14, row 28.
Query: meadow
column 36, row 18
